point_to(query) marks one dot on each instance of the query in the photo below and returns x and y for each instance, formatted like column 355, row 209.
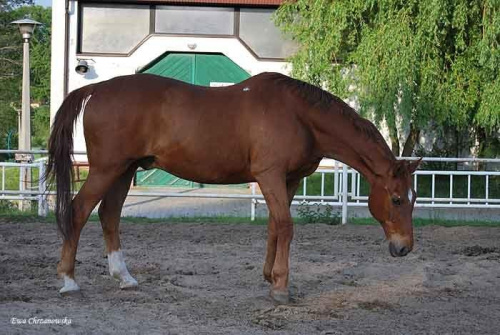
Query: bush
column 322, row 214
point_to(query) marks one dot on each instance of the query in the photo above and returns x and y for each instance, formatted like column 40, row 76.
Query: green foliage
column 40, row 123
column 321, row 214
column 7, row 5
column 11, row 70
column 409, row 62
column 7, row 206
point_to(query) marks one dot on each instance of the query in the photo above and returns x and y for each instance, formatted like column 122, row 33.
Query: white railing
column 347, row 187
column 28, row 190
column 343, row 190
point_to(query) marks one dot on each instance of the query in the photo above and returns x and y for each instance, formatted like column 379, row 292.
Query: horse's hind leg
column 109, row 213
column 92, row 191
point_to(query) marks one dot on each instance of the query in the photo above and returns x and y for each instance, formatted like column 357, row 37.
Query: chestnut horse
column 271, row 129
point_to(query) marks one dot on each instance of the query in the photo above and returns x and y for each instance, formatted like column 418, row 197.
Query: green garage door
column 198, row 69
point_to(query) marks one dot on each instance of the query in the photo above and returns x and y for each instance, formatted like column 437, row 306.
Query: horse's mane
column 323, row 100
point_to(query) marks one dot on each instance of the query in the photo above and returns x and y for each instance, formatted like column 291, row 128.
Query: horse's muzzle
column 398, row 250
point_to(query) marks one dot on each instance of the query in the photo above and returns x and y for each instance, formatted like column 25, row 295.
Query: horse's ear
column 400, row 168
column 413, row 165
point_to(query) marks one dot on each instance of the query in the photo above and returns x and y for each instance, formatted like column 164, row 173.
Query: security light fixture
column 82, row 67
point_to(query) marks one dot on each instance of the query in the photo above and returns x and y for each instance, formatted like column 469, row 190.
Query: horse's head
column 391, row 202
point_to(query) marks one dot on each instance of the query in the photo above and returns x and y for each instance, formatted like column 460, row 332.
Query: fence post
column 254, row 204
column 345, row 177
column 42, row 189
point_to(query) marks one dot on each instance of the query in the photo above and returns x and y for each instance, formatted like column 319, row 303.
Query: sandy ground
column 206, row 279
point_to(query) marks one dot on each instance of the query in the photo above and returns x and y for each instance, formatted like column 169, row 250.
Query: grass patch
column 12, row 214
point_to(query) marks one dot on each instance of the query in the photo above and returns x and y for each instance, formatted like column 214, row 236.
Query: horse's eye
column 396, row 200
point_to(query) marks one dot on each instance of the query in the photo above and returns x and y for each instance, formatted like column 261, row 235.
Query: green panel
column 217, row 68
column 199, row 69
column 177, row 66
column 156, row 177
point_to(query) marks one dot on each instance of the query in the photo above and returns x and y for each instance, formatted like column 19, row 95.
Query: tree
column 11, row 69
column 408, row 63
column 8, row 5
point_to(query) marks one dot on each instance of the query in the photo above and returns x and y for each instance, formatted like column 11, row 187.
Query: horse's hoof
column 280, row 297
column 268, row 278
column 70, row 286
column 73, row 293
column 128, row 283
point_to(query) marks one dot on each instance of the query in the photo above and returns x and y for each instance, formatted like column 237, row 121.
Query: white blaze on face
column 410, row 195
column 118, row 269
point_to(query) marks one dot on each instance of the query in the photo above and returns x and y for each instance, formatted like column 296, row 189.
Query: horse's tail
column 60, row 165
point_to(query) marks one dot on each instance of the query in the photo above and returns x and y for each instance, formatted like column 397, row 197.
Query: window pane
column 258, row 31
column 113, row 29
column 194, row 20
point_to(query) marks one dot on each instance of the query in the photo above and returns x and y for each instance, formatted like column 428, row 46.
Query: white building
column 204, row 42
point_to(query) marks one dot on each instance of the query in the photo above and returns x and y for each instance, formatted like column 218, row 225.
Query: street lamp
column 26, row 27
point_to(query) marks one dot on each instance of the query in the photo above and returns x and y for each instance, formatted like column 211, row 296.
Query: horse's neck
column 340, row 139
column 365, row 157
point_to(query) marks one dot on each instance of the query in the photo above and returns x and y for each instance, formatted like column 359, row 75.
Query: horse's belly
column 204, row 173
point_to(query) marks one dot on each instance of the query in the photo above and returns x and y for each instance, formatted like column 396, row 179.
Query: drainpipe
column 66, row 47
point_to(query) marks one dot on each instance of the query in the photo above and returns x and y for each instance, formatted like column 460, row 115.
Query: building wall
column 106, row 67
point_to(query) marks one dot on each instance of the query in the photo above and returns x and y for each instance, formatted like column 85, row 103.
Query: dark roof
column 200, row 2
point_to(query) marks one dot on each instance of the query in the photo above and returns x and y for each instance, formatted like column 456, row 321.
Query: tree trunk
column 393, row 135
column 411, row 140
column 482, row 139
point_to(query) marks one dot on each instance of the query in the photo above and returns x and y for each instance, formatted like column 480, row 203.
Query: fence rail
column 345, row 187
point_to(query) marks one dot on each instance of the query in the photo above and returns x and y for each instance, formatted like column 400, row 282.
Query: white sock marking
column 118, row 269
column 69, row 285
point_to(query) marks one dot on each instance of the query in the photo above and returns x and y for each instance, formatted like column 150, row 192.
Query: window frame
column 152, row 32
column 79, row 39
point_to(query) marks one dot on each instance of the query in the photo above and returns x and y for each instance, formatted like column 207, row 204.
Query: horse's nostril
column 404, row 251
column 398, row 251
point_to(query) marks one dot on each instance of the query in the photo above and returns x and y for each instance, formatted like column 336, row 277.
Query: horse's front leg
column 272, row 240
column 274, row 189
column 272, row 236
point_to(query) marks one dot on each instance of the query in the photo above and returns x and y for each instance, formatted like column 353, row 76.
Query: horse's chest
column 302, row 170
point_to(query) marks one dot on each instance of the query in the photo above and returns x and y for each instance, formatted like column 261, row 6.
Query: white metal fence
column 347, row 190
column 339, row 186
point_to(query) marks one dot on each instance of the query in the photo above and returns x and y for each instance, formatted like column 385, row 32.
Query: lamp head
column 26, row 27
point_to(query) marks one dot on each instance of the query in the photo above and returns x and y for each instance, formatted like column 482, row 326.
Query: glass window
column 194, row 20
column 258, row 31
column 113, row 29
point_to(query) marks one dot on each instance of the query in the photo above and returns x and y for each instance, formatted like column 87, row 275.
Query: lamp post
column 26, row 27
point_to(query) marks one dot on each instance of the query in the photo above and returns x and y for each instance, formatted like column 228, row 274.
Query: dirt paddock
column 206, row 279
